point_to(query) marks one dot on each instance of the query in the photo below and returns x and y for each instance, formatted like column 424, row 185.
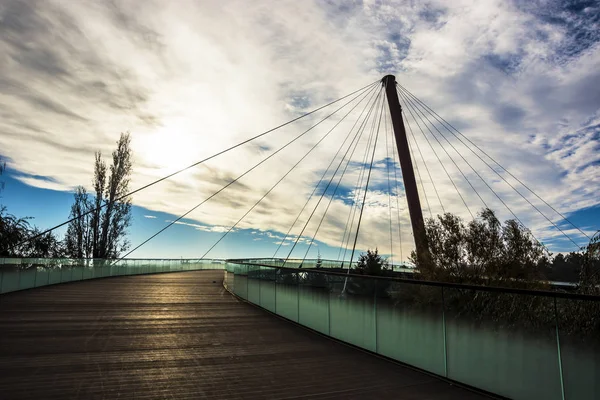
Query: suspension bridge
column 208, row 328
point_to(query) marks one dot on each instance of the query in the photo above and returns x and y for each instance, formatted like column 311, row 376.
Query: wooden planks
column 180, row 336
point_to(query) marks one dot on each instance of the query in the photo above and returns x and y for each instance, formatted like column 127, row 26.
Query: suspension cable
column 373, row 93
column 396, row 181
column 236, row 179
column 508, row 183
column 436, row 155
column 421, row 114
column 387, row 167
column 356, row 201
column 362, row 209
column 33, row 237
column 285, row 175
column 359, row 177
column 331, row 198
column 446, row 124
column 322, row 195
column 414, row 140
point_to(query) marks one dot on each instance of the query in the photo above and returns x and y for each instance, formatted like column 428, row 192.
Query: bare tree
column 78, row 239
column 102, row 234
column 117, row 215
column 99, row 187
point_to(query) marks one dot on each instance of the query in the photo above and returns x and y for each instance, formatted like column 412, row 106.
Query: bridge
column 300, row 327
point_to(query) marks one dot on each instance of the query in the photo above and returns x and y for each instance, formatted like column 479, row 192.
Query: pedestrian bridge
column 221, row 329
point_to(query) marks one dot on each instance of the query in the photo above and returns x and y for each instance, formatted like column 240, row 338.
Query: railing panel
column 10, row 279
column 579, row 333
column 267, row 288
column 313, row 306
column 352, row 311
column 286, row 297
column 55, row 274
column 410, row 325
column 503, row 343
column 22, row 273
column 27, row 277
column 520, row 344
column 41, row 277
column 254, row 284
column 240, row 283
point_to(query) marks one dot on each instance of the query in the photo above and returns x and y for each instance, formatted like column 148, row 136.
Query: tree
column 371, row 263
column 589, row 277
column 102, row 231
column 482, row 252
column 14, row 231
column 78, row 239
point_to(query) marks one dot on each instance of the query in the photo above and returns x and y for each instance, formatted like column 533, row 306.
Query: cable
column 285, row 175
column 492, row 190
column 446, row 124
column 333, row 195
column 356, row 201
column 190, row 166
column 362, row 209
column 416, row 166
column 235, row 180
column 397, row 187
column 387, row 167
column 508, row 183
column 324, row 174
column 468, row 209
column 321, row 198
column 418, row 111
column 358, row 184
column 438, row 158
column 414, row 139
column 499, row 198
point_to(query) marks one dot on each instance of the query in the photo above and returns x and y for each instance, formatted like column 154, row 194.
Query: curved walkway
column 181, row 336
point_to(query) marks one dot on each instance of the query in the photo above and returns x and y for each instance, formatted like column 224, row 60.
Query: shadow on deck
column 181, row 336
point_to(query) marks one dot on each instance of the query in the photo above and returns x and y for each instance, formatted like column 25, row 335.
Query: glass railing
column 26, row 273
column 313, row 263
column 514, row 343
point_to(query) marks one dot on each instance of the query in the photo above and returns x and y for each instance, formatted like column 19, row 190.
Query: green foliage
column 15, row 230
column 589, row 277
column 372, row 263
column 486, row 252
column 565, row 268
column 482, row 252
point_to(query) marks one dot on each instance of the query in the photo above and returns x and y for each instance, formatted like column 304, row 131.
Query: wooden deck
column 181, row 336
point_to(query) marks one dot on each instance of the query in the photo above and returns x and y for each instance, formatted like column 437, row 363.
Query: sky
column 189, row 78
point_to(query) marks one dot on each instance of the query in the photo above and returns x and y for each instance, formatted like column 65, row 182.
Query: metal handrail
column 497, row 289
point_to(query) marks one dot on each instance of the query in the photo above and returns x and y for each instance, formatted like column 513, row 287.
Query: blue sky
column 518, row 78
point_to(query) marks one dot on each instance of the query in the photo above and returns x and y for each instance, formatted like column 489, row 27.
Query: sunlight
column 168, row 147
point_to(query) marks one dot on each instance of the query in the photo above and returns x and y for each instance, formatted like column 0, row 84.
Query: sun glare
column 169, row 147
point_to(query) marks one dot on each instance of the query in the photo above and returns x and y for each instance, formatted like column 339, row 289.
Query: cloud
column 205, row 228
column 150, row 216
column 514, row 77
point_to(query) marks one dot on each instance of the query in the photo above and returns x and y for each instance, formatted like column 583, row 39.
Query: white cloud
column 75, row 74
column 150, row 216
column 205, row 228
